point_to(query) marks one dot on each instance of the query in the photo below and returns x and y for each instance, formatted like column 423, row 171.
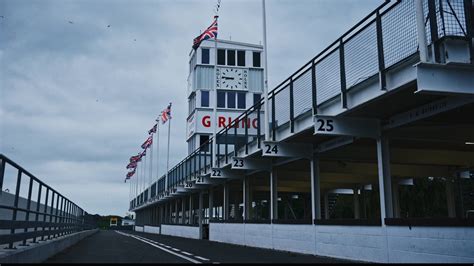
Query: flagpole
column 158, row 150
column 168, row 155
column 214, row 110
column 144, row 176
column 142, row 184
column 151, row 163
column 138, row 178
column 265, row 71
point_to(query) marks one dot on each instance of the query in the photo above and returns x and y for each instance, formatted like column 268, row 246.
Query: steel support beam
column 315, row 188
column 385, row 182
column 273, row 195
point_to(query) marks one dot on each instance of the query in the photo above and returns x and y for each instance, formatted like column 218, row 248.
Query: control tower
column 238, row 82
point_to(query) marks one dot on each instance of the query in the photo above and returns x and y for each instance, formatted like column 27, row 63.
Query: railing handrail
column 59, row 215
column 23, row 170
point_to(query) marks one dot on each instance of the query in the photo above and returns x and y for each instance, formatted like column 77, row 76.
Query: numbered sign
column 200, row 180
column 346, row 126
column 270, row 149
column 324, row 124
column 188, row 185
column 250, row 164
column 216, row 173
column 238, row 163
column 282, row 149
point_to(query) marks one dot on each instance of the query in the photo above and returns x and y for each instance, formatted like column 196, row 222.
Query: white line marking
column 187, row 253
column 164, row 249
column 175, row 249
column 201, row 258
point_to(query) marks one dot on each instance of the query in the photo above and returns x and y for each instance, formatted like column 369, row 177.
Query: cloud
column 77, row 99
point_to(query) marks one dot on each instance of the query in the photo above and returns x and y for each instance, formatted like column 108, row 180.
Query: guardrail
column 24, row 220
column 382, row 40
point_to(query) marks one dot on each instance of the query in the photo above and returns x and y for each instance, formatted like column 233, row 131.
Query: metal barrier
column 22, row 219
column 382, row 40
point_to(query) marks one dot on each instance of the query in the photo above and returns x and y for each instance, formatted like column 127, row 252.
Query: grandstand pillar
column 326, row 206
column 450, row 199
column 176, row 210
column 356, row 203
column 190, row 220
column 396, row 200
column 273, row 195
column 315, row 188
column 183, row 210
column 200, row 213
column 226, row 202
column 170, row 209
column 245, row 198
column 211, row 203
column 385, row 179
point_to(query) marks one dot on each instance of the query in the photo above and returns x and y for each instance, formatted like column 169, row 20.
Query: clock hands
column 227, row 78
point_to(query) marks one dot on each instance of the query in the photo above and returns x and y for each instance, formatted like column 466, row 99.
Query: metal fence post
column 2, row 173
column 45, row 212
column 246, row 128
column 259, row 138
column 469, row 30
column 292, row 108
column 381, row 58
column 273, row 117
column 342, row 68
column 434, row 30
column 28, row 206
column 313, row 88
column 38, row 204
column 15, row 204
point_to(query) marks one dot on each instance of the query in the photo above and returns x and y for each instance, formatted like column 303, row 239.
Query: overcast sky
column 77, row 97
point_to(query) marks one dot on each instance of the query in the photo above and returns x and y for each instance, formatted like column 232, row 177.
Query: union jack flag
column 142, row 154
column 135, row 158
column 132, row 165
column 210, row 32
column 130, row 174
column 166, row 114
column 152, row 130
column 147, row 142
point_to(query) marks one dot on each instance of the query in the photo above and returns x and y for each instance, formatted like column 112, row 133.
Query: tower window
column 204, row 98
column 230, row 99
column 241, row 100
column 202, row 140
column 221, row 99
column 241, row 58
column 231, row 57
column 221, row 57
column 256, row 59
column 256, row 98
column 204, row 56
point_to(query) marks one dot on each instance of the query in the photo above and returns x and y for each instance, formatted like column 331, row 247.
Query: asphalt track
column 109, row 246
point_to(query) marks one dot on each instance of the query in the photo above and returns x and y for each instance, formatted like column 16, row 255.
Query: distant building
column 128, row 221
column 114, row 221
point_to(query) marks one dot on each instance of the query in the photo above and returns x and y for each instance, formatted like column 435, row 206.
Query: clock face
column 231, row 78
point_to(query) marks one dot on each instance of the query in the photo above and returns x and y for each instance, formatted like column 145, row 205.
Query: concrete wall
column 138, row 228
column 36, row 253
column 180, row 230
column 431, row 244
column 151, row 229
column 363, row 243
column 272, row 236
